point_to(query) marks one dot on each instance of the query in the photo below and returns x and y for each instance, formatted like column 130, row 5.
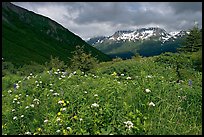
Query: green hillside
column 27, row 37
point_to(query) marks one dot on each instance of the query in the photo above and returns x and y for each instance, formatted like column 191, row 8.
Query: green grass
column 177, row 110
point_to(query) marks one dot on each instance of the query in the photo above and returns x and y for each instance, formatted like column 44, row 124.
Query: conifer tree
column 193, row 41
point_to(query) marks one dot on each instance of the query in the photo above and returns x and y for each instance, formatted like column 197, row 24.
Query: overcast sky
column 89, row 19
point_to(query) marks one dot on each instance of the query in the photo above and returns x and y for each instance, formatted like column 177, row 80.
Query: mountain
column 27, row 36
column 145, row 41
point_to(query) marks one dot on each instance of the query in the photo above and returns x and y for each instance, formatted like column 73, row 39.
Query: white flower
column 45, row 121
column 36, row 81
column 50, row 84
column 149, row 76
column 31, row 74
column 74, row 72
column 32, row 105
column 15, row 99
column 96, row 95
column 94, row 105
column 63, row 76
column 40, row 81
column 80, row 119
column 151, row 104
column 68, row 128
column 147, row 90
column 22, row 115
column 26, row 107
column 58, row 131
column 58, row 119
column 118, row 82
column 128, row 124
column 122, row 74
column 56, row 94
column 58, row 69
column 85, row 92
column 14, row 118
column 27, row 133
column 64, row 109
column 28, row 77
column 51, row 90
column 60, row 78
column 9, row 91
column 128, row 78
column 37, row 85
column 13, row 110
column 60, row 102
column 18, row 102
column 27, row 95
column 56, row 73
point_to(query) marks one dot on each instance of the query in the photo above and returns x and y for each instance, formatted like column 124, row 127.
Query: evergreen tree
column 81, row 60
column 193, row 41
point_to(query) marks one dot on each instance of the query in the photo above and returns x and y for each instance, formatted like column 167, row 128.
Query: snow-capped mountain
column 139, row 35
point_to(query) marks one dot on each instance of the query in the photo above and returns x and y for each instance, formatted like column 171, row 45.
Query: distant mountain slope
column 145, row 41
column 27, row 37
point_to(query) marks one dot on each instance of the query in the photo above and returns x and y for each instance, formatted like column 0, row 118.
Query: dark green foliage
column 27, row 37
column 8, row 68
column 193, row 41
column 82, row 61
column 55, row 63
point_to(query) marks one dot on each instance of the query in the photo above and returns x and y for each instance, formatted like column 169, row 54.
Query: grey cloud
column 88, row 19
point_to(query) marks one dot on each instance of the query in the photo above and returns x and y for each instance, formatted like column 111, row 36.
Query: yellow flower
column 114, row 74
column 64, row 104
column 39, row 129
column 75, row 117
column 35, row 133
column 64, row 132
column 59, row 113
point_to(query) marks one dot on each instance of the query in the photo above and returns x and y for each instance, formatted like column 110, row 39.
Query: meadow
column 139, row 96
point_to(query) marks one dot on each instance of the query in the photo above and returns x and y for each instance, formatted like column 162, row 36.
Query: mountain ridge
column 27, row 36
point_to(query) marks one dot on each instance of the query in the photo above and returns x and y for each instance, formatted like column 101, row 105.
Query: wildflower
column 96, row 95
column 39, row 129
column 151, row 104
column 56, row 94
column 94, row 105
column 14, row 118
column 128, row 78
column 60, row 78
column 122, row 74
column 80, row 119
column 58, row 131
column 85, row 92
column 31, row 74
column 13, row 110
column 74, row 72
column 58, row 119
column 114, row 74
column 59, row 113
column 15, row 99
column 63, row 76
column 16, row 86
column 64, row 104
column 36, row 101
column 32, row 105
column 40, row 81
column 75, row 117
column 58, row 69
column 61, row 102
column 147, row 90
column 26, row 107
column 149, row 76
column 27, row 95
column 68, row 128
column 27, row 133
column 128, row 124
column 9, row 91
column 36, row 81
column 50, row 84
column 18, row 102
column 22, row 116
column 37, row 85
column 63, row 109
column 190, row 82
column 45, row 121
column 51, row 90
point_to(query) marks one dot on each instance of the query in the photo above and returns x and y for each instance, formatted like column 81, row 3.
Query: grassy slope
column 177, row 110
column 30, row 37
